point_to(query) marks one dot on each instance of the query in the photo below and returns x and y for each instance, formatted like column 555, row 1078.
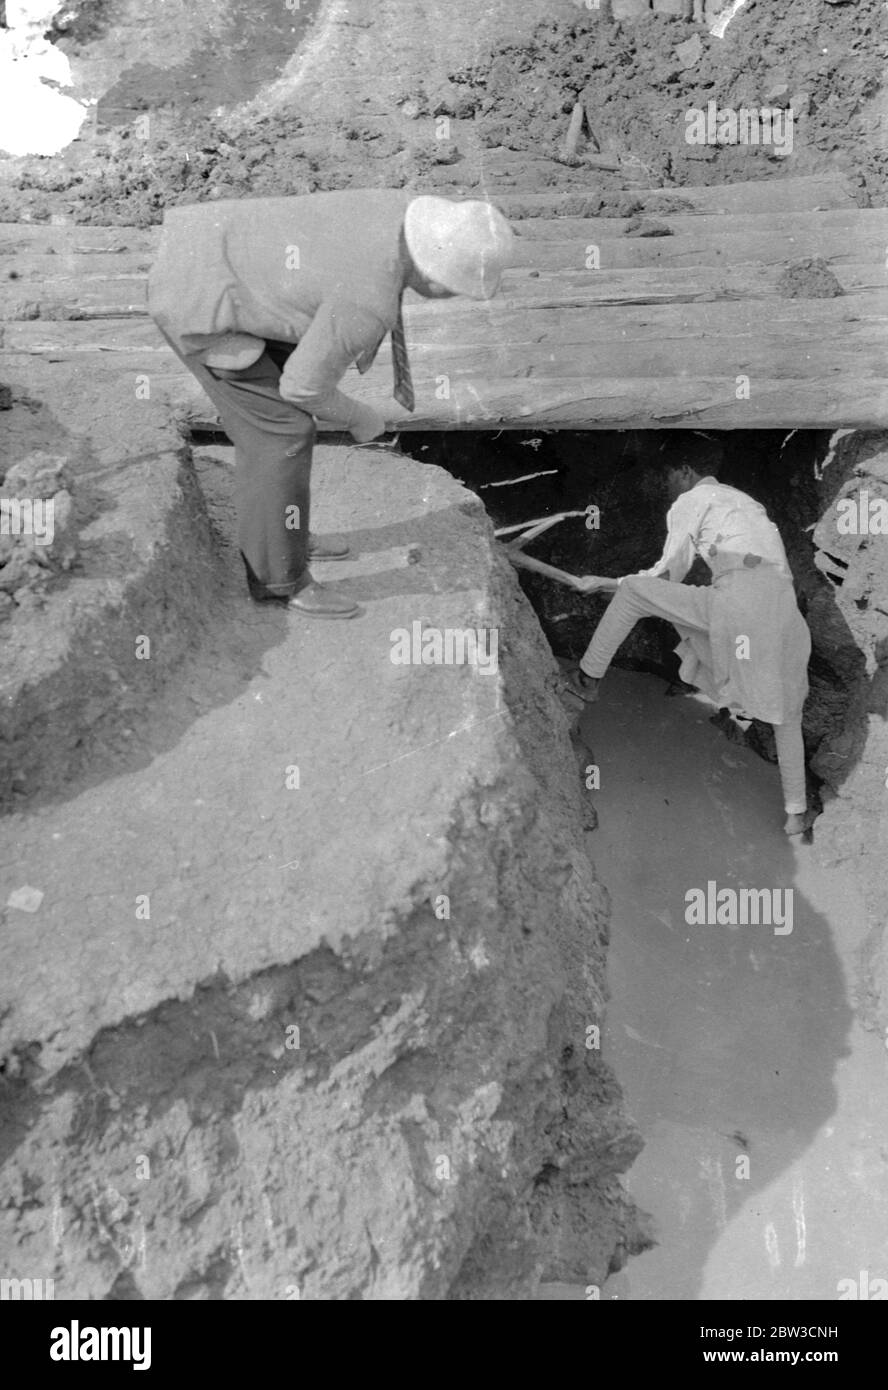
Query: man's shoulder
column 711, row 490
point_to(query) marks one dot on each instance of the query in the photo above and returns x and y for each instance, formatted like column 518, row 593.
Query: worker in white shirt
column 744, row 642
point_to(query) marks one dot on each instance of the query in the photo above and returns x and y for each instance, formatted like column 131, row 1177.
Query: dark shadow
column 227, row 633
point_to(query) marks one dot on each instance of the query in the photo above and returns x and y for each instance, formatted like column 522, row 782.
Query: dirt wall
column 422, row 910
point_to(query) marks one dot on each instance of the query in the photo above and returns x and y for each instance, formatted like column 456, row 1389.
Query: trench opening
column 728, row 1040
column 521, row 475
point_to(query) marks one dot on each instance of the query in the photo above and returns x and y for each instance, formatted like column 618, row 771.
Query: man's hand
column 367, row 423
column 595, row 583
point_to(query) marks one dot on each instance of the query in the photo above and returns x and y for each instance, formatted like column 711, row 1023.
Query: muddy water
column 763, row 1104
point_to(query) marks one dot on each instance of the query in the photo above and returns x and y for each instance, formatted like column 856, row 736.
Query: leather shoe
column 326, row 550
column 317, row 601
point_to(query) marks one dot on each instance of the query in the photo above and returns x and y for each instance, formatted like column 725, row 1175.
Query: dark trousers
column 273, row 443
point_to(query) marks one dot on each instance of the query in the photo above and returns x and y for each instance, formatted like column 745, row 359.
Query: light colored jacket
column 754, row 657
column 724, row 526
column 324, row 271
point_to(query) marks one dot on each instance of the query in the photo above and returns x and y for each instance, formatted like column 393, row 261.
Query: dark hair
column 697, row 451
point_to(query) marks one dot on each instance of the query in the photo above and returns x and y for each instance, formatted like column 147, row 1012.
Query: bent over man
column 268, row 301
column 744, row 642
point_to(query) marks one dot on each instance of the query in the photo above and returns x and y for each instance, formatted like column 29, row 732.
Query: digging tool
column 574, row 130
column 531, row 529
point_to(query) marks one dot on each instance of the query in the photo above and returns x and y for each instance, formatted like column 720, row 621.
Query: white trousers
column 687, row 606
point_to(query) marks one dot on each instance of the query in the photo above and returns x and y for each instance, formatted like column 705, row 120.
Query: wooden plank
column 805, row 194
column 581, row 349
column 561, row 305
column 745, row 264
column 658, row 341
column 682, row 398
column 69, row 239
column 744, row 269
column 808, row 193
column 705, row 227
column 816, row 341
column 764, row 206
column 678, row 253
column 855, row 238
column 680, row 403
column 728, row 252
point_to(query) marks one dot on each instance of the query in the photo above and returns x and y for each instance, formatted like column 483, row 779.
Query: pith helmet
column 465, row 246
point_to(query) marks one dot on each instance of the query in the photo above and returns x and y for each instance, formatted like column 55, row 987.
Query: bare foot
column 796, row 823
column 584, row 687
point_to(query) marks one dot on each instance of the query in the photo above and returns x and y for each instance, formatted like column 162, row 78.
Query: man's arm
column 335, row 337
column 678, row 553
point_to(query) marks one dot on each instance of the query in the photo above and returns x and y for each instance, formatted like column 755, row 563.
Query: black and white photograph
column 444, row 665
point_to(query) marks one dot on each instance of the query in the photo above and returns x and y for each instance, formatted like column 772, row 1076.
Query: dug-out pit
column 617, row 479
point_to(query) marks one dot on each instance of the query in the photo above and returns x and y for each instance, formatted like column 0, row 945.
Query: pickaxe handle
column 527, row 562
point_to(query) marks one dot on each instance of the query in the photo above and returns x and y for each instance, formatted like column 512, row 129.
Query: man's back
column 264, row 266
column 728, row 527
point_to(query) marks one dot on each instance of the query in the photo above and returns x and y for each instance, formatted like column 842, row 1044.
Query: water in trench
column 760, row 1095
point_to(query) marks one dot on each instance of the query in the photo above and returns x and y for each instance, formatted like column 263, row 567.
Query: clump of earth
column 810, row 278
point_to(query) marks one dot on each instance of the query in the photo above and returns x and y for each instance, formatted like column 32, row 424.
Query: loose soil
column 508, row 106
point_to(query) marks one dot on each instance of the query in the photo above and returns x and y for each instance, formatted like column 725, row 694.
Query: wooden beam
column 808, row 193
column 664, row 339
column 664, row 349
column 632, row 403
column 701, row 227
column 569, row 307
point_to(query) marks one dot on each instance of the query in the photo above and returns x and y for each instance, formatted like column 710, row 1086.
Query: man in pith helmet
column 269, row 300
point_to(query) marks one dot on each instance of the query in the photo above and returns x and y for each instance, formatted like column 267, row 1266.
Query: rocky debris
column 629, row 9
column 514, row 96
column 38, row 538
column 25, row 899
column 775, row 84
column 809, row 278
column 646, row 226
column 5, row 397
column 636, row 89
column 690, row 52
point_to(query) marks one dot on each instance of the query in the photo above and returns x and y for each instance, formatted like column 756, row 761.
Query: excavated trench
column 520, row 476
column 767, row 1050
column 734, row 1050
